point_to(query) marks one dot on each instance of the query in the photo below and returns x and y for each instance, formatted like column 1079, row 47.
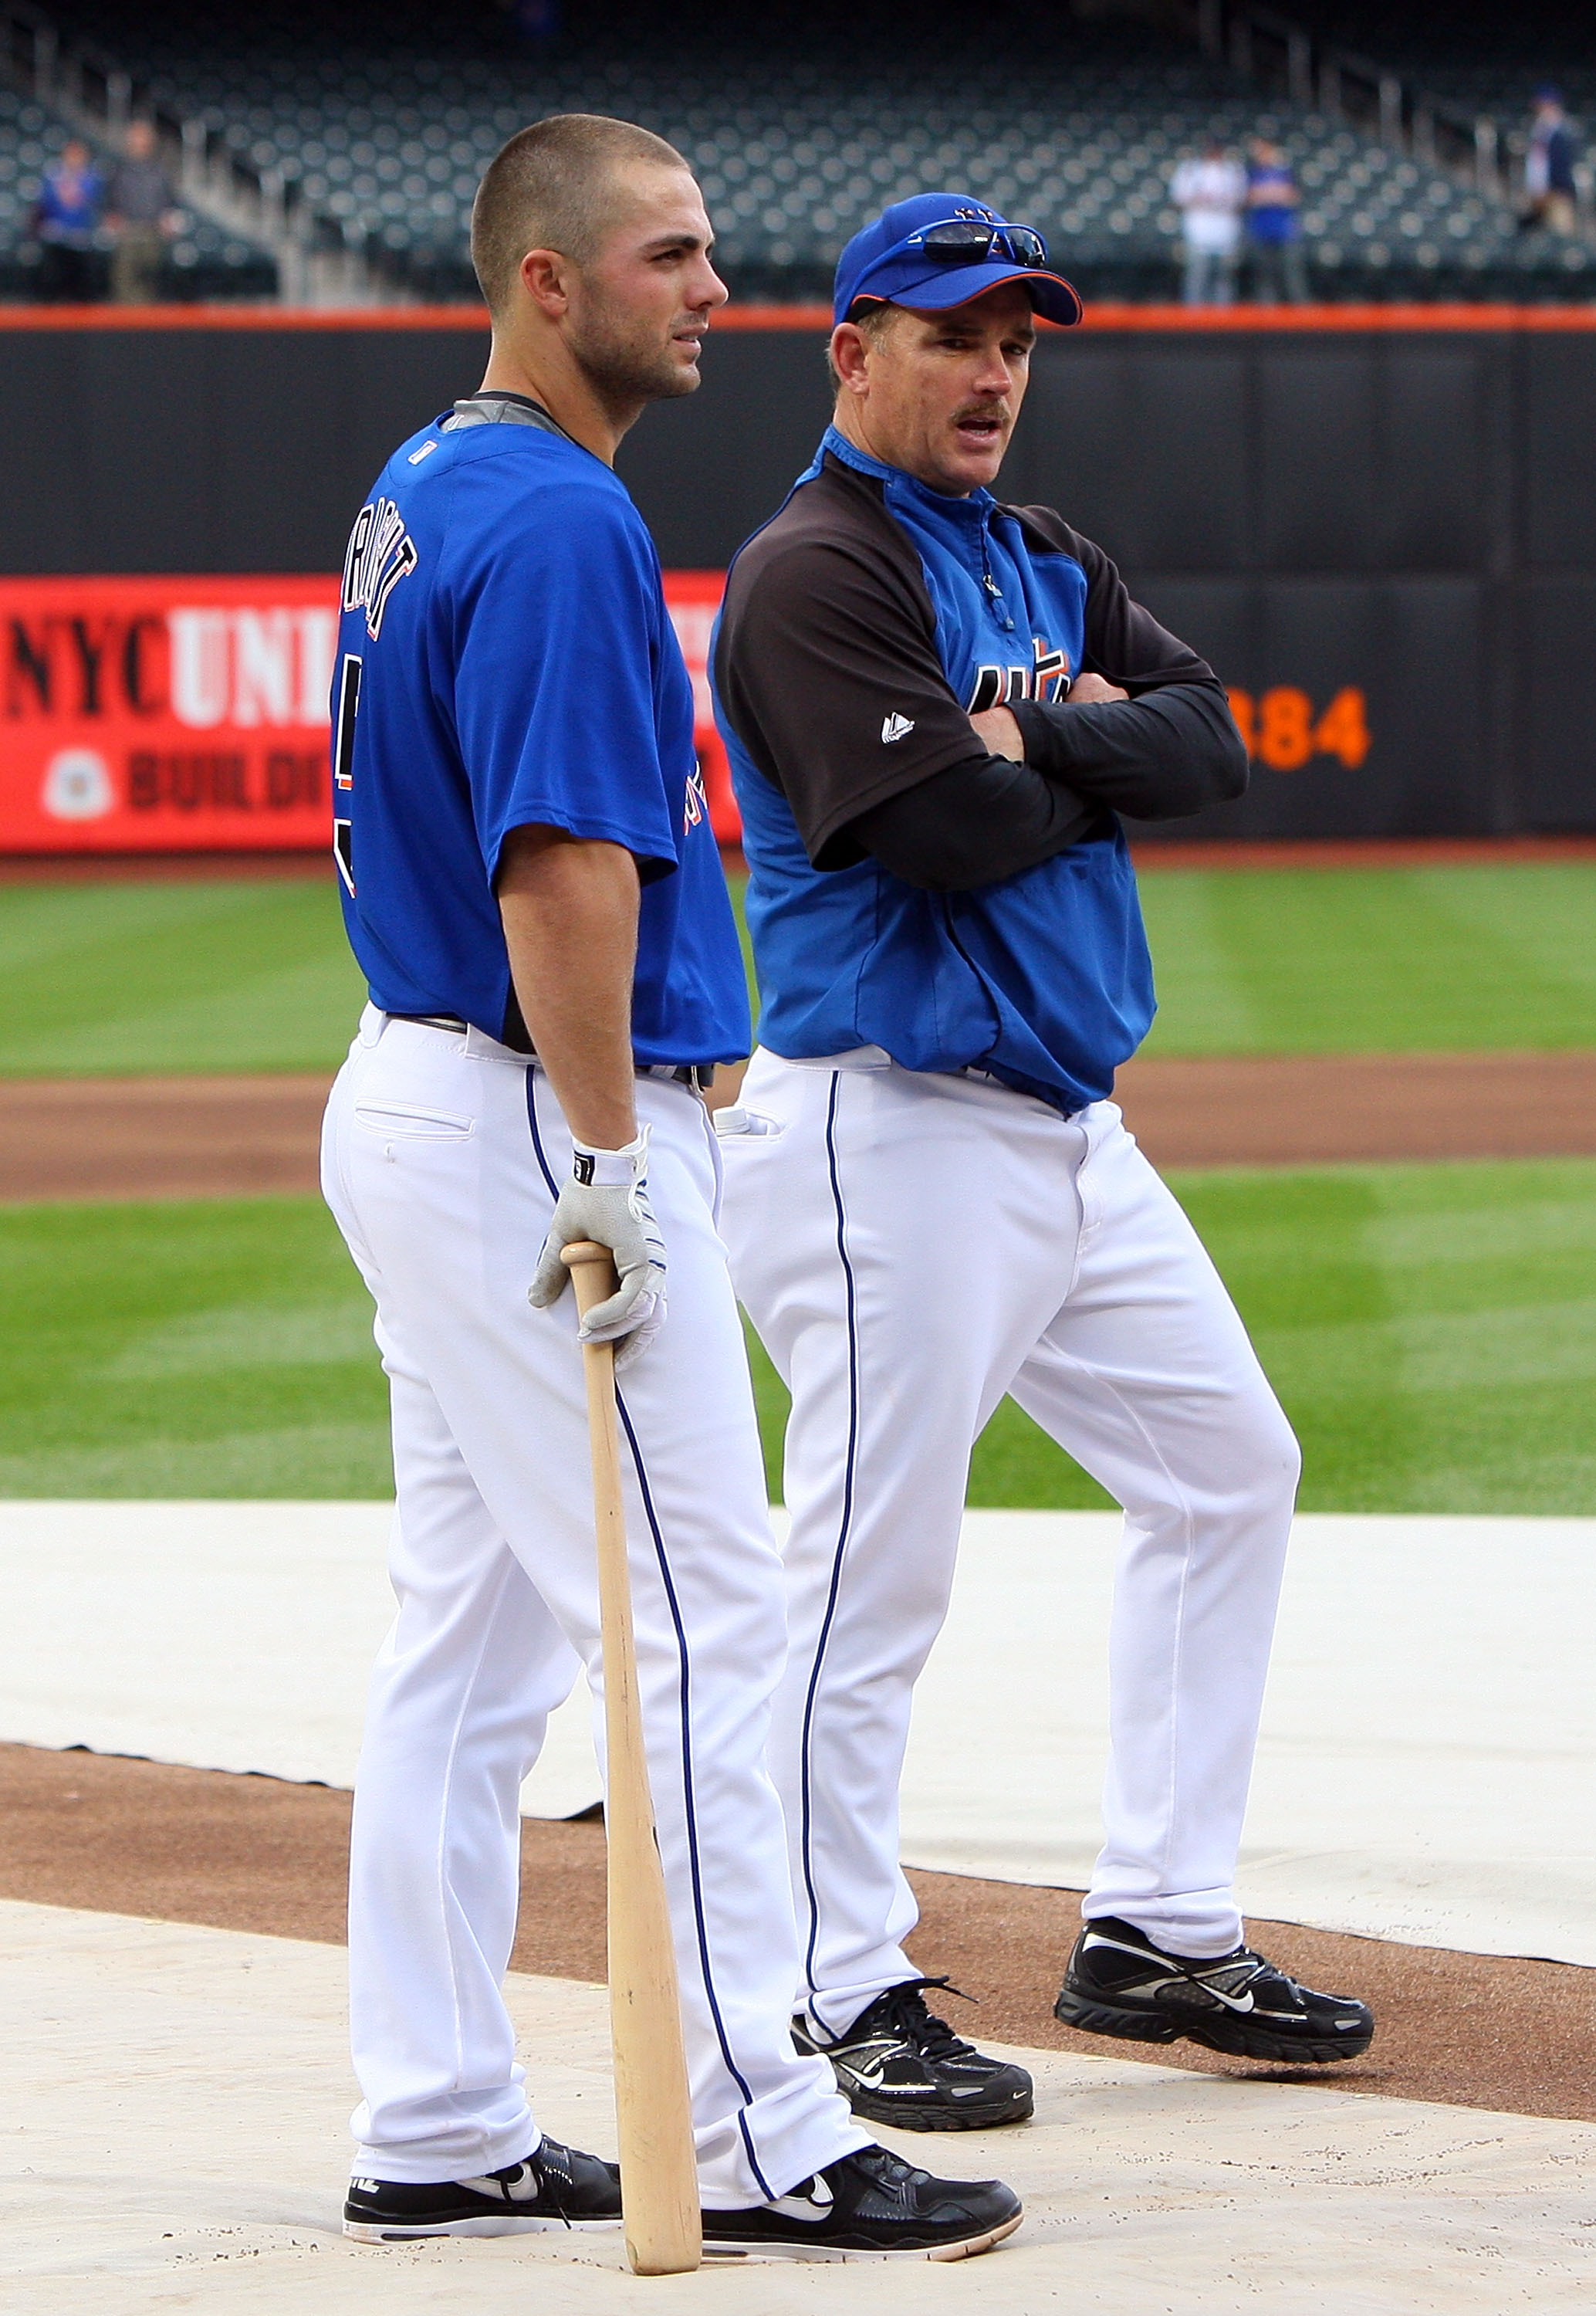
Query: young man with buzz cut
column 936, row 707
column 532, row 888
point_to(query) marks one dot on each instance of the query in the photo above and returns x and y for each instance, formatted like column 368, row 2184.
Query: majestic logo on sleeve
column 381, row 552
column 1046, row 678
column 895, row 727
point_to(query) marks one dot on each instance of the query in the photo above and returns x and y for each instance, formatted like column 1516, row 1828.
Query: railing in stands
column 318, row 261
column 1321, row 76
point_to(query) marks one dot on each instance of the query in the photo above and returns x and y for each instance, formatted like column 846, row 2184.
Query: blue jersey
column 505, row 659
column 860, row 627
column 1271, row 210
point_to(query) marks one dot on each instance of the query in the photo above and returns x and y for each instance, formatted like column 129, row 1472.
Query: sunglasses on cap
column 967, row 241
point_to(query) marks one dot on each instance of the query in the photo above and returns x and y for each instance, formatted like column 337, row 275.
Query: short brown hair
column 545, row 190
column 872, row 319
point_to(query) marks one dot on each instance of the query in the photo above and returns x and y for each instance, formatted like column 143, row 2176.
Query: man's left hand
column 1090, row 690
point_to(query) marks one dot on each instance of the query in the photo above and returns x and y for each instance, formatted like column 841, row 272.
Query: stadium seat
column 201, row 262
column 379, row 123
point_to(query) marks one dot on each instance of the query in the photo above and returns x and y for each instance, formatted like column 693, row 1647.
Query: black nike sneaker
column 556, row 2186
column 900, row 2063
column 870, row 2205
column 1119, row 1983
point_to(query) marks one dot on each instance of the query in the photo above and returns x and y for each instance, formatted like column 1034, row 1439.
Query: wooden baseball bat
column 653, row 2110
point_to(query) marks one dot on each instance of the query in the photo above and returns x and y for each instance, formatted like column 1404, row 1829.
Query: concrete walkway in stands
column 175, row 2139
column 1429, row 1732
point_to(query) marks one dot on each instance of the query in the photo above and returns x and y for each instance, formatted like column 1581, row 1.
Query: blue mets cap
column 942, row 249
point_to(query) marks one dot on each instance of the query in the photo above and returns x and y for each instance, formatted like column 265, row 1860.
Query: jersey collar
column 974, row 509
column 496, row 406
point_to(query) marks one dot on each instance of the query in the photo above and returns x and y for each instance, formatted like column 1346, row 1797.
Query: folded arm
column 827, row 670
column 1156, row 738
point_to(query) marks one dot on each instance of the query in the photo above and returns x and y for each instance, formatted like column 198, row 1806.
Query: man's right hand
column 998, row 728
column 607, row 1199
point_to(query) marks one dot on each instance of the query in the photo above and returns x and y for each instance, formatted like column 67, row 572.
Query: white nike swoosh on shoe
column 867, row 2060
column 810, row 2208
column 1230, row 2001
column 870, row 2079
column 524, row 2190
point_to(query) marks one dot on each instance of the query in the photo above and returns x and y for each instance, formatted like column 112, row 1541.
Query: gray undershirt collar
column 497, row 406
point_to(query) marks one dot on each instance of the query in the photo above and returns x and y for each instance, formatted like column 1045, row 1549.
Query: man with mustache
column 531, row 886
column 936, row 706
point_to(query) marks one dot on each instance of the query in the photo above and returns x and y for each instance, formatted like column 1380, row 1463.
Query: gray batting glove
column 607, row 1199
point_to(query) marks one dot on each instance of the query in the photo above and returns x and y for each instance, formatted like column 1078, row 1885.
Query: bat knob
column 583, row 1250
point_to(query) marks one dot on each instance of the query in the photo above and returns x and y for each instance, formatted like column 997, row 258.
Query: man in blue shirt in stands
column 1274, row 228
column 66, row 225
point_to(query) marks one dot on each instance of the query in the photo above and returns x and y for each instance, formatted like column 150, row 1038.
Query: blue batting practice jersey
column 861, row 628
column 505, row 659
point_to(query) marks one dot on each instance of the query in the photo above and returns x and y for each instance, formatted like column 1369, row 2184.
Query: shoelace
column 906, row 2008
column 879, row 2165
column 550, row 2179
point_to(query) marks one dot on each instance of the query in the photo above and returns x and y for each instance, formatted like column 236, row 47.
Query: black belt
column 700, row 1075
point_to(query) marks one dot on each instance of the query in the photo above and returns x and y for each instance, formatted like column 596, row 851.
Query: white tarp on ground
column 1426, row 1772
column 204, row 2167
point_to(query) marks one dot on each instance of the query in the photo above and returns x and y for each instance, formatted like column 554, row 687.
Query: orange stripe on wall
column 243, row 317
column 1105, row 314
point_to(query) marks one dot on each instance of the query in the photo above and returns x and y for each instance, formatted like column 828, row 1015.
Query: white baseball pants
column 442, row 1156
column 910, row 1247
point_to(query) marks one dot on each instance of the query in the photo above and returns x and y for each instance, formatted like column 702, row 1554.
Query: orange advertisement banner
column 166, row 714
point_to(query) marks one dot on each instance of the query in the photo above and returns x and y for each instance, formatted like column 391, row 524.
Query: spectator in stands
column 1210, row 194
column 141, row 211
column 66, row 226
column 1274, row 228
column 1548, row 167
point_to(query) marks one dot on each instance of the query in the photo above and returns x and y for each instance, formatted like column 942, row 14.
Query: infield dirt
column 184, row 1138
column 254, row 1853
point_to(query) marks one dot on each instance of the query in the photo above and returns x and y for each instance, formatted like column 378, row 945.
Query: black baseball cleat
column 900, row 2063
column 870, row 2205
column 556, row 2188
column 1119, row 1983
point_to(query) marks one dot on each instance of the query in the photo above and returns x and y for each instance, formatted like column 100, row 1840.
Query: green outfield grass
column 256, row 976
column 217, row 1347
column 105, row 979
column 1431, row 1329
column 1373, row 960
